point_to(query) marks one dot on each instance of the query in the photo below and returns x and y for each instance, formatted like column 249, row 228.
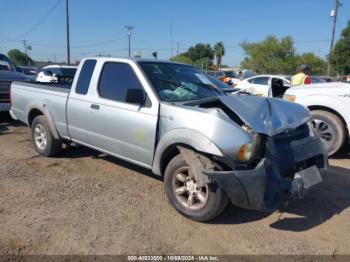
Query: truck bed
column 49, row 97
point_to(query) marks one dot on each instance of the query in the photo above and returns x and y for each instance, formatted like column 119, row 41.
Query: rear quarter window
column 85, row 75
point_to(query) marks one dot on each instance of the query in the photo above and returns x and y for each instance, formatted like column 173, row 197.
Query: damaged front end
column 290, row 157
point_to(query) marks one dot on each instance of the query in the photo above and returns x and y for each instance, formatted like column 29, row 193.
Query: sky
column 98, row 26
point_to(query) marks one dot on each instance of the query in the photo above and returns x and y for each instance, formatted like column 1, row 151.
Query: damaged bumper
column 290, row 166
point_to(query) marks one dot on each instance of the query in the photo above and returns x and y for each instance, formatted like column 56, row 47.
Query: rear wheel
column 330, row 128
column 197, row 203
column 44, row 142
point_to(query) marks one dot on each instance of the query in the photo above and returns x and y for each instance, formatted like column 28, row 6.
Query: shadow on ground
column 319, row 205
column 6, row 121
column 80, row 151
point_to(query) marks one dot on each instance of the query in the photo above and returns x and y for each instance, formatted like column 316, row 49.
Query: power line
column 38, row 23
column 82, row 46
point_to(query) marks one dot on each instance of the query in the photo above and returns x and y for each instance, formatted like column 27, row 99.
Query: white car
column 329, row 104
column 53, row 72
column 260, row 85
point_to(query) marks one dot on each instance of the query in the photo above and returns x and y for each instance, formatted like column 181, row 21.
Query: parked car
column 227, row 89
column 329, row 104
column 227, row 77
column 29, row 71
column 56, row 73
column 260, row 85
column 7, row 75
column 167, row 117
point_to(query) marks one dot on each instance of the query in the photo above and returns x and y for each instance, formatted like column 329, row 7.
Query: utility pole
column 129, row 28
column 26, row 51
column 177, row 48
column 67, row 32
column 334, row 14
column 171, row 39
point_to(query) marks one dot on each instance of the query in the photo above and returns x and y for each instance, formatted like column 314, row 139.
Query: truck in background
column 8, row 74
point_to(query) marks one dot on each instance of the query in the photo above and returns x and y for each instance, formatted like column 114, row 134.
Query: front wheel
column 197, row 203
column 330, row 129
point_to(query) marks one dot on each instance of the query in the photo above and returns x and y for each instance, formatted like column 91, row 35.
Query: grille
column 5, row 85
column 4, row 91
column 284, row 150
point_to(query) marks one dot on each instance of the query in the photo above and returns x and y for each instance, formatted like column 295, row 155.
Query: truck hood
column 268, row 116
column 12, row 76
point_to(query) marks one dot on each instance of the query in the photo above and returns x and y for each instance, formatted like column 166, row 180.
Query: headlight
column 289, row 98
column 248, row 151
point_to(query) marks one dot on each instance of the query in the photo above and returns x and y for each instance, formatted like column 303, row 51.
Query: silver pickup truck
column 170, row 118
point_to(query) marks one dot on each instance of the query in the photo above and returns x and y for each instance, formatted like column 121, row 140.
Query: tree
column 340, row 58
column 182, row 59
column 270, row 56
column 203, row 63
column 199, row 51
column 318, row 65
column 19, row 58
column 219, row 50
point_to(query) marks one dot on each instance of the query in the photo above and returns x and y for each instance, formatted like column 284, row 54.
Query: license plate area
column 310, row 176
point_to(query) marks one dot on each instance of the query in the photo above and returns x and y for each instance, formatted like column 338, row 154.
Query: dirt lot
column 84, row 202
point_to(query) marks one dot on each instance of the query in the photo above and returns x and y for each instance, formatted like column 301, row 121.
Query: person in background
column 302, row 77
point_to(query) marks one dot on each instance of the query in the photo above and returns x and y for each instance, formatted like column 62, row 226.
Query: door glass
column 261, row 81
column 116, row 79
column 85, row 77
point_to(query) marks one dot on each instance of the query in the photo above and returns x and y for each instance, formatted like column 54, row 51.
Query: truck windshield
column 177, row 82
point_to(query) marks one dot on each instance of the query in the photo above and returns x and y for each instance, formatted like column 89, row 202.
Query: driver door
column 122, row 129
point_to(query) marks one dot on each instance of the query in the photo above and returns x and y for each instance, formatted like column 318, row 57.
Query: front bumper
column 273, row 182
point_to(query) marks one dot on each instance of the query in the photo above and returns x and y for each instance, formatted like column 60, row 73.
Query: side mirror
column 135, row 96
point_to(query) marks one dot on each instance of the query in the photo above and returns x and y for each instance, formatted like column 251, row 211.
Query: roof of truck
column 137, row 59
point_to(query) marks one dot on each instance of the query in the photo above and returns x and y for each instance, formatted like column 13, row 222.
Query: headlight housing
column 289, row 98
column 247, row 151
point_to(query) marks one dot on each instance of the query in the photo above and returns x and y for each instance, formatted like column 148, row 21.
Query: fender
column 189, row 137
column 42, row 108
column 331, row 102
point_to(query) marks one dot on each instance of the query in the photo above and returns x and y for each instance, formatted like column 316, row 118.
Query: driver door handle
column 96, row 107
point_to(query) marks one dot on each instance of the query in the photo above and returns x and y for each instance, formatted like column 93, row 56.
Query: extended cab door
column 115, row 126
column 78, row 105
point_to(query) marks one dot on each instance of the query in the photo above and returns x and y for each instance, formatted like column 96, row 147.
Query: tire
column 202, row 209
column 44, row 142
column 330, row 129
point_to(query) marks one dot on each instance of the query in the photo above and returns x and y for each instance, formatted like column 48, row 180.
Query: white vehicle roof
column 275, row 76
column 59, row 66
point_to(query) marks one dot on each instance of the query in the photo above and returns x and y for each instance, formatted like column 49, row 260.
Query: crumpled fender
column 185, row 136
column 269, row 116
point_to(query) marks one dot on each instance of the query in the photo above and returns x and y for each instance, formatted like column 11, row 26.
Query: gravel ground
column 84, row 202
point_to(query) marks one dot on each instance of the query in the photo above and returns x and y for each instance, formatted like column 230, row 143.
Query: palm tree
column 219, row 50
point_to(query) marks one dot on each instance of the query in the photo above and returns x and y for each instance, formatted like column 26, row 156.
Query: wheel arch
column 168, row 147
column 34, row 111
column 331, row 110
